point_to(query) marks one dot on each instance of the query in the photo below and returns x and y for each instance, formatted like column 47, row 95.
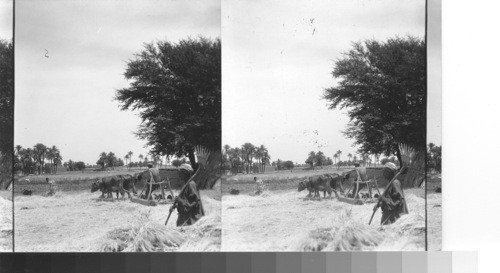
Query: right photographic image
column 325, row 141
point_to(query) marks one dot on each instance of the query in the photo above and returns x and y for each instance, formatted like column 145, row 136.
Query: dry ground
column 78, row 221
column 5, row 221
column 283, row 220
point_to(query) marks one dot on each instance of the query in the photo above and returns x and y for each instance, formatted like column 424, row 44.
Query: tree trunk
column 400, row 159
column 192, row 160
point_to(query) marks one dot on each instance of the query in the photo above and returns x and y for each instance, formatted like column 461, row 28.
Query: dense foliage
column 177, row 89
column 6, row 111
column 383, row 87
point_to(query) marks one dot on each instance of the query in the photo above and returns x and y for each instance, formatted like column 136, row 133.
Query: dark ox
column 336, row 183
column 317, row 183
column 129, row 183
column 108, row 185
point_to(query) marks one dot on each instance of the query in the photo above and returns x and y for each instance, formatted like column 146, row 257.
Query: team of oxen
column 327, row 183
column 120, row 184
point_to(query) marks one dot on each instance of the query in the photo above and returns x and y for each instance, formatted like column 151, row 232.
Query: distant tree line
column 37, row 160
column 109, row 160
column 154, row 159
column 319, row 159
column 283, row 165
column 241, row 159
column 74, row 166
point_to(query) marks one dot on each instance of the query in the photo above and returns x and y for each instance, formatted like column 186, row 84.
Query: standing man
column 188, row 203
column 360, row 176
column 147, row 176
column 393, row 201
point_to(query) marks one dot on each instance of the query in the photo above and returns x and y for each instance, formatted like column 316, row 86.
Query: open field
column 282, row 219
column 67, row 181
column 78, row 221
column 279, row 180
column 5, row 221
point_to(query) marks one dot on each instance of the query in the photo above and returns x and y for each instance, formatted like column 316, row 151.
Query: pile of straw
column 146, row 236
column 346, row 234
column 5, row 224
column 352, row 235
column 204, row 235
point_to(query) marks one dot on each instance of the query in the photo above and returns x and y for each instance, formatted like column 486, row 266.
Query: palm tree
column 49, row 154
column 18, row 149
column 40, row 152
column 265, row 157
column 57, row 158
column 130, row 159
column 339, row 152
column 27, row 158
column 258, row 156
column 55, row 155
column 226, row 148
column 140, row 160
column 336, row 156
column 127, row 158
column 19, row 154
column 235, row 159
column 248, row 150
column 365, row 158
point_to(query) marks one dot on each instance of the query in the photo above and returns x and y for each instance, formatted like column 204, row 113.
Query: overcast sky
column 277, row 60
column 434, row 69
column 6, row 8
column 67, row 99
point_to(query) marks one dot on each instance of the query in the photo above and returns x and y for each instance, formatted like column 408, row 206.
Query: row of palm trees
column 239, row 159
column 38, row 159
column 364, row 158
column 155, row 159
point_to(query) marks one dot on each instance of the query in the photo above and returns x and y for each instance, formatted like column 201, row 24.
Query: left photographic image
column 117, row 126
column 6, row 124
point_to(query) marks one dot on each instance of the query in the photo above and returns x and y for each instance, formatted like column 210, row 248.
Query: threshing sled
column 155, row 199
column 363, row 196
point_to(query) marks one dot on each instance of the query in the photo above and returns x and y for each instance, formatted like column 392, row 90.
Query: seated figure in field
column 52, row 186
column 260, row 185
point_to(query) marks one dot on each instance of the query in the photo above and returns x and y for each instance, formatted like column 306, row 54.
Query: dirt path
column 278, row 220
column 77, row 222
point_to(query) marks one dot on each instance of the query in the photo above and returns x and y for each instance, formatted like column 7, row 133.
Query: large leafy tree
column 177, row 89
column 383, row 87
